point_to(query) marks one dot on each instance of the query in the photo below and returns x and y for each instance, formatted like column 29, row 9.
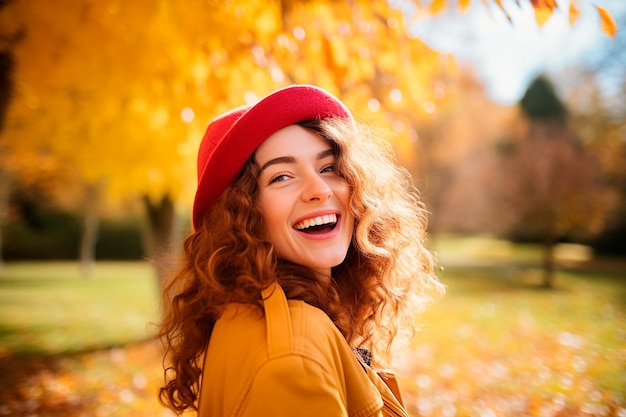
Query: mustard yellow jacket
column 291, row 362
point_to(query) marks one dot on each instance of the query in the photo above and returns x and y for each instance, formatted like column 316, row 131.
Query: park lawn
column 49, row 307
column 496, row 345
column 500, row 345
column 75, row 346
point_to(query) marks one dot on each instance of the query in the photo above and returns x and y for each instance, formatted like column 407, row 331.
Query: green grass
column 49, row 307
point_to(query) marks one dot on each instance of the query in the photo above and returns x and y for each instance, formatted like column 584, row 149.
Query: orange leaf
column 437, row 6
column 539, row 4
column 608, row 23
column 542, row 14
column 574, row 13
column 464, row 4
column 501, row 6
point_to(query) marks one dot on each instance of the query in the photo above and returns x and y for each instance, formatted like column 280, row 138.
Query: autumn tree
column 598, row 98
column 116, row 104
column 549, row 184
column 462, row 136
column 123, row 106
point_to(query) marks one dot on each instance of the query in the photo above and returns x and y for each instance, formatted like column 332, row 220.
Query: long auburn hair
column 387, row 275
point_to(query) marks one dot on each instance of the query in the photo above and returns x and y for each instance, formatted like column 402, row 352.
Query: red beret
column 231, row 138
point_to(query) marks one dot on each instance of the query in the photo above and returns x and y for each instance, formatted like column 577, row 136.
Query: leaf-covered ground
column 495, row 346
column 112, row 382
column 498, row 345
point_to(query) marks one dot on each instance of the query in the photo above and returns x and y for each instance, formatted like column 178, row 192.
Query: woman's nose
column 316, row 189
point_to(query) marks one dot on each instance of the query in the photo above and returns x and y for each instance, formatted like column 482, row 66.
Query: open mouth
column 317, row 225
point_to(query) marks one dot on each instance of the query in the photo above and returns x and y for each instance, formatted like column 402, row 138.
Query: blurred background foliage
column 104, row 105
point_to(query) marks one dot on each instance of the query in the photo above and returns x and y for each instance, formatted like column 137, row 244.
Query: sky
column 507, row 56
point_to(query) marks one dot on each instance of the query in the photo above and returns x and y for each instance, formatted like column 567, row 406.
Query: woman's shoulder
column 241, row 334
column 311, row 322
column 243, row 324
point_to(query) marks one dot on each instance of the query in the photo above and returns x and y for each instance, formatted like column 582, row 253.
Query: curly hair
column 387, row 276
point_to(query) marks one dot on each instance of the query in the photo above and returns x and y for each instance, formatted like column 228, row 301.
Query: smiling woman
column 306, row 260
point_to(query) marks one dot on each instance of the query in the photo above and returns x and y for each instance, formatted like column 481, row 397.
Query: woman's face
column 303, row 199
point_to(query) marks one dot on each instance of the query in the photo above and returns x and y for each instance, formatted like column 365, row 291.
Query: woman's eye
column 279, row 178
column 330, row 168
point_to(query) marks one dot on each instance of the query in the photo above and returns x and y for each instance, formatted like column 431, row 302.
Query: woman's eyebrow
column 292, row 160
column 279, row 160
column 324, row 154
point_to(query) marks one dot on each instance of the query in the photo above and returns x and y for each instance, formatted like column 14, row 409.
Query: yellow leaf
column 608, row 23
column 464, row 4
column 574, row 12
column 437, row 6
column 542, row 14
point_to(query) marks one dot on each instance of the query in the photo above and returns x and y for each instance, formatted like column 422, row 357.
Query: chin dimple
column 326, row 220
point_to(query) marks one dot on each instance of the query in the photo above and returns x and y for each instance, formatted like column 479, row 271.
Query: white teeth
column 317, row 221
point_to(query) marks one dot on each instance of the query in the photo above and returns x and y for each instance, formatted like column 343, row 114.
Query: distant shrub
column 120, row 239
column 55, row 235
column 49, row 235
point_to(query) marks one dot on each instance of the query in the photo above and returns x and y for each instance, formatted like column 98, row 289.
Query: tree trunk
column 4, row 207
column 548, row 263
column 6, row 92
column 160, row 236
column 91, row 223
